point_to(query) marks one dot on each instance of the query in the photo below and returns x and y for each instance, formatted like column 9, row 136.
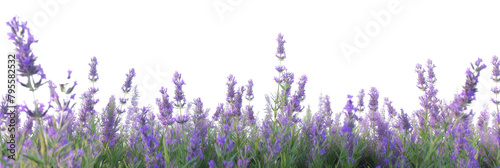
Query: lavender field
column 69, row 131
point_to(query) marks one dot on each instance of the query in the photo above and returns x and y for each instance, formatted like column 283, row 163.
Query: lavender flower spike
column 179, row 94
column 93, row 76
column 361, row 96
column 127, row 86
column 166, row 108
column 249, row 96
column 110, row 124
column 373, row 104
column 280, row 51
column 24, row 54
column 230, row 96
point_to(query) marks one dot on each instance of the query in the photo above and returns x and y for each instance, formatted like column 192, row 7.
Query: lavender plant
column 438, row 134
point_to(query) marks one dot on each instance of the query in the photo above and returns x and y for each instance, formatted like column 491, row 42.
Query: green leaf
column 35, row 159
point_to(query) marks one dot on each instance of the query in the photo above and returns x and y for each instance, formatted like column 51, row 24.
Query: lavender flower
column 250, row 116
column 238, row 102
column 287, row 77
column 166, row 108
column 349, row 124
column 218, row 112
column 127, row 86
column 249, row 95
column 403, row 122
column 179, row 94
column 461, row 101
column 280, row 51
column 110, row 124
column 199, row 133
column 373, row 104
column 280, row 69
column 69, row 73
column 24, row 54
column 301, row 93
column 327, row 110
column 181, row 119
column 37, row 113
column 482, row 122
column 150, row 137
column 361, row 96
column 93, row 76
column 495, row 76
column 390, row 109
column 421, row 79
column 230, row 89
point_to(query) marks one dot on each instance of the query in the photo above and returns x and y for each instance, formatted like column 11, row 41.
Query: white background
column 206, row 43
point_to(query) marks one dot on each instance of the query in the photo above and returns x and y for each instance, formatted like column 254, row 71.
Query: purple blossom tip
column 280, row 51
column 127, row 86
column 69, row 74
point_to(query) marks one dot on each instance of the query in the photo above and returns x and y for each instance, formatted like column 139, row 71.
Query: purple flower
column 403, row 122
column 218, row 112
column 179, row 94
column 390, row 109
column 249, row 95
column 301, row 93
column 231, row 82
column 238, row 102
column 28, row 124
column 483, row 119
column 421, row 79
column 123, row 100
column 326, row 110
column 182, row 119
column 211, row 164
column 461, row 101
column 69, row 73
column 228, row 164
column 431, row 76
column 24, row 54
column 37, row 113
column 110, row 124
column 280, row 69
column 280, row 51
column 93, row 76
column 199, row 133
column 165, row 107
column 495, row 75
column 87, row 106
column 373, row 104
column 361, row 96
column 127, row 86
column 250, row 116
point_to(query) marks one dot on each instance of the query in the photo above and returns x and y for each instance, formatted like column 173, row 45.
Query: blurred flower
column 127, row 86
column 93, row 76
column 360, row 96
column 280, row 51
column 403, row 123
column 390, row 109
column 230, row 89
column 421, row 79
column 249, row 95
column 110, row 123
column 218, row 112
